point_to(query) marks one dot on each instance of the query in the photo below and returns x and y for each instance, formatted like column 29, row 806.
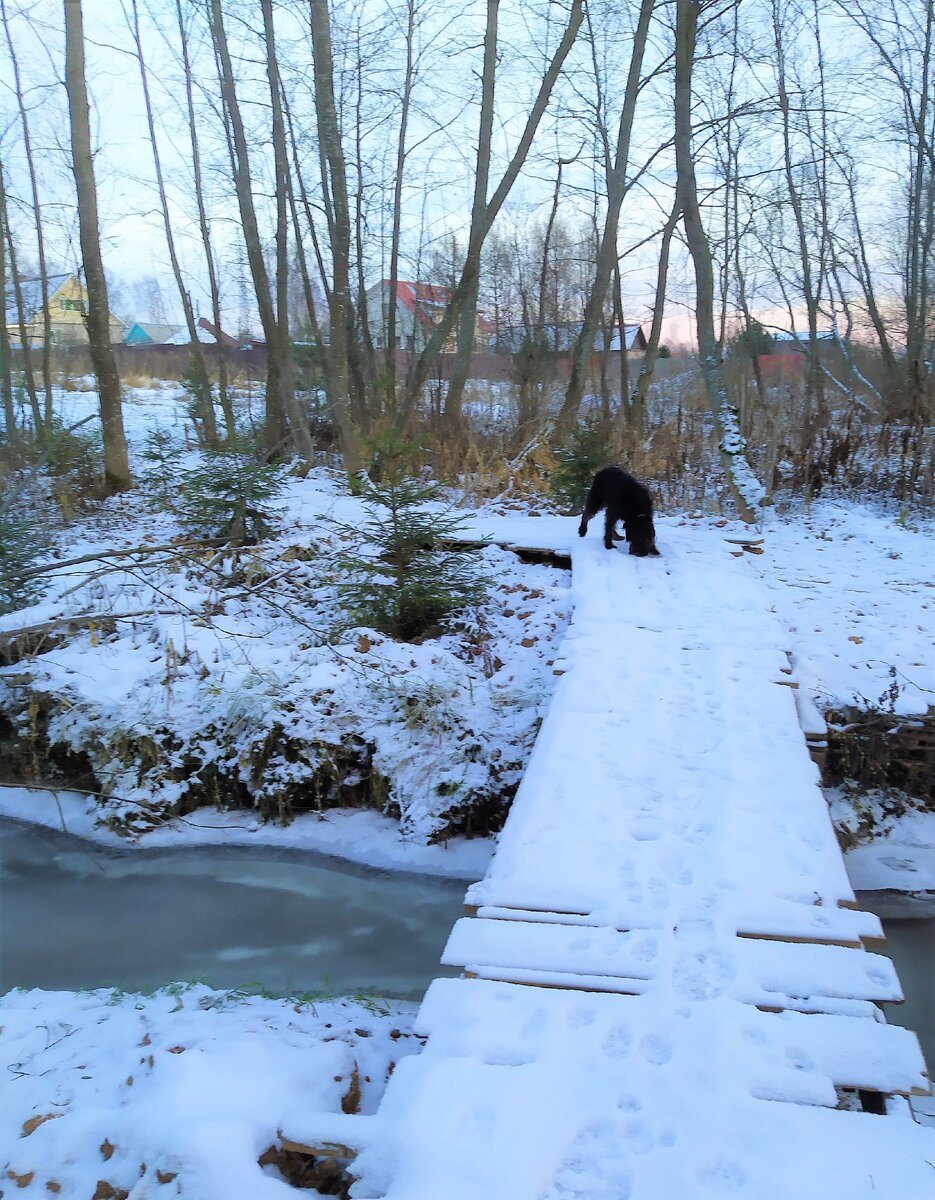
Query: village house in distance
column 68, row 301
column 418, row 309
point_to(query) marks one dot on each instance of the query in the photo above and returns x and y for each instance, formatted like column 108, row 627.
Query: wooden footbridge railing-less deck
column 667, row 990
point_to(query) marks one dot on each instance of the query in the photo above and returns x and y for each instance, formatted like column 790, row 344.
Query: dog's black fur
column 624, row 499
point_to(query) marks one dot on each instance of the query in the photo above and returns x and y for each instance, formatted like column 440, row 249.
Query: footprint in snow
column 638, row 1138
column 580, row 1017
column 724, row 1176
column 655, row 1049
column 647, row 829
column 617, row 1042
column 704, row 974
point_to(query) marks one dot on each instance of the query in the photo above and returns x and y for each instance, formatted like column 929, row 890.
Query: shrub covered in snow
column 241, row 681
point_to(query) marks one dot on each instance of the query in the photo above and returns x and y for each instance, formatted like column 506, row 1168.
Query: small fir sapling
column 232, row 494
column 579, row 460
column 23, row 533
column 406, row 579
column 161, row 476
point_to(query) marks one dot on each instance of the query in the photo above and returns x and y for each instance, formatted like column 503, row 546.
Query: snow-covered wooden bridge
column 667, row 992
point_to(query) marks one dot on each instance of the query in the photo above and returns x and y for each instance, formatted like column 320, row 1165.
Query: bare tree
column 462, row 308
column 607, row 250
column 6, row 374
column 812, row 267
column 283, row 348
column 275, row 432
column 204, row 229
column 647, row 367
column 412, row 10
column 37, row 220
column 746, row 489
column 204, row 402
column 337, row 211
column 19, row 307
column 903, row 41
column 116, row 461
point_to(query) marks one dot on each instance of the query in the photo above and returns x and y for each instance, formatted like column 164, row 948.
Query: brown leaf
column 176, row 1050
column 165, row 1176
column 21, row 1181
column 53, row 1186
column 363, row 644
column 33, row 1123
column 350, row 1102
column 107, row 1149
column 107, row 1191
column 527, row 642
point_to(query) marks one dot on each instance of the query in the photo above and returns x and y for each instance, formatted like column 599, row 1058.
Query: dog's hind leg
column 610, row 527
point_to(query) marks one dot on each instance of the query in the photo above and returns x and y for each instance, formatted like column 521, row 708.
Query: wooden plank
column 751, row 970
column 809, row 924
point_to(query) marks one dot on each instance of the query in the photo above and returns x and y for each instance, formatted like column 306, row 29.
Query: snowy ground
column 182, row 1094
column 179, row 1093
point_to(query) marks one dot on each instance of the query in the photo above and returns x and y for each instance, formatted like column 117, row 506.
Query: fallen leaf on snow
column 33, row 1123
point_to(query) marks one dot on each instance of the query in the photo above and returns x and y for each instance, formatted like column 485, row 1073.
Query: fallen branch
column 95, row 555
column 10, row 635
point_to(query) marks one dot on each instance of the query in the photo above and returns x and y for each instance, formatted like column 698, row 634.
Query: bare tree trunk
column 296, row 418
column 607, row 251
column 204, row 403
column 275, row 432
column 37, row 219
column 296, row 177
column 19, row 306
column 224, row 399
column 467, row 285
column 6, row 373
column 361, row 359
column 334, row 181
column 638, row 402
column 470, row 278
column 815, row 383
column 116, row 461
column 746, row 489
column 390, row 367
column 619, row 319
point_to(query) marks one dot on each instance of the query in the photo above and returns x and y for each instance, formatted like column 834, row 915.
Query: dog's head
column 641, row 535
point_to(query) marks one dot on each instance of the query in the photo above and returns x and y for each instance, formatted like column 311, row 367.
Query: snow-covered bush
column 250, row 697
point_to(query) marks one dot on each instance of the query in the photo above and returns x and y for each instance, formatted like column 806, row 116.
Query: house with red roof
column 419, row 308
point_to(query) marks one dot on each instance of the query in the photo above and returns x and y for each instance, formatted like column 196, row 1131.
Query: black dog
column 625, row 499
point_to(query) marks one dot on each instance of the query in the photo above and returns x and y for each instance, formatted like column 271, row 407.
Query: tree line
column 738, row 157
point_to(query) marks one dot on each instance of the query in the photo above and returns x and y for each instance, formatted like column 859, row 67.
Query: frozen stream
column 77, row 915
column 911, row 946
